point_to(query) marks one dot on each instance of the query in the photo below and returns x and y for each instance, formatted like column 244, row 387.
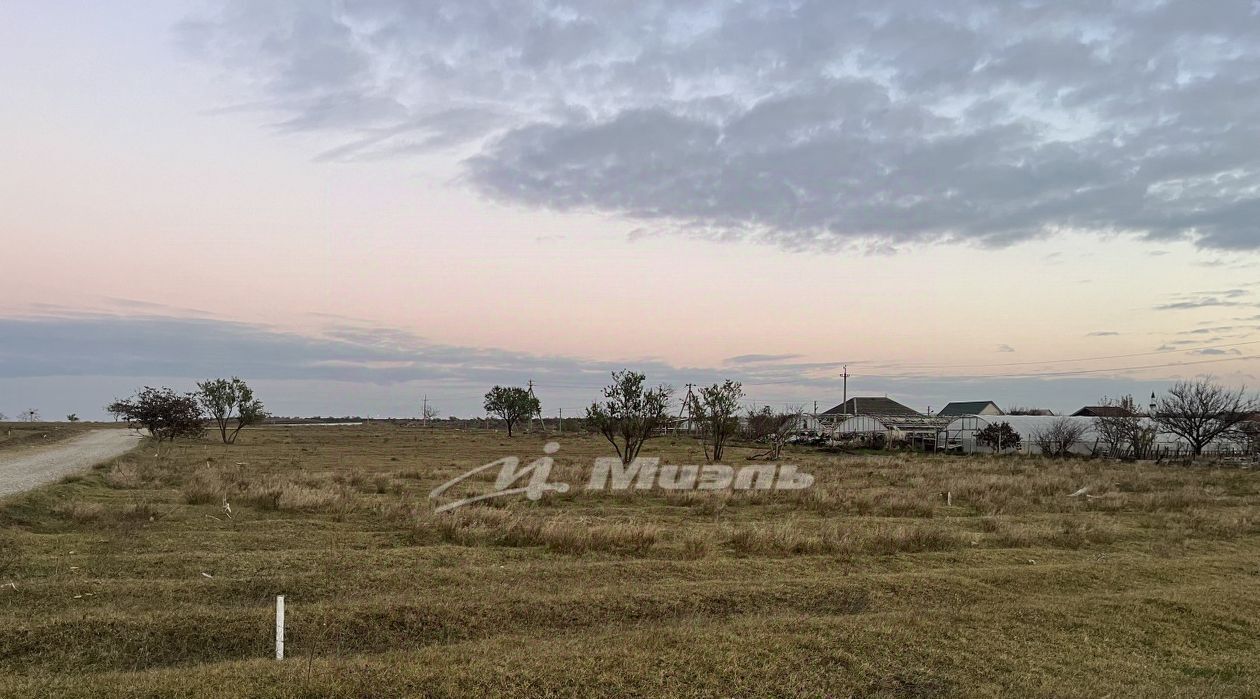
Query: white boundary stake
column 280, row 627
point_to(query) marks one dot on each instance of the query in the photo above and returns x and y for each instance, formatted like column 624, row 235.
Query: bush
column 166, row 414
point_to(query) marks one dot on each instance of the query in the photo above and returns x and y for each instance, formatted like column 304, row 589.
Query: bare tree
column 1123, row 433
column 1249, row 438
column 1200, row 411
column 1058, row 438
column 629, row 414
column 717, row 410
column 511, row 404
column 29, row 415
column 773, row 427
column 3, row 417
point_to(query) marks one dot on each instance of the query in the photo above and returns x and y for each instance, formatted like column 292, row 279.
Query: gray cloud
column 1102, row 333
column 1212, row 351
column 811, row 125
column 1204, row 302
column 759, row 358
column 77, row 363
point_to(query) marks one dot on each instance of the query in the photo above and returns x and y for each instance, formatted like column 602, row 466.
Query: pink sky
column 126, row 177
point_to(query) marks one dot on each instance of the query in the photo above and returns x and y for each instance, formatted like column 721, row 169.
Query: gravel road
column 27, row 467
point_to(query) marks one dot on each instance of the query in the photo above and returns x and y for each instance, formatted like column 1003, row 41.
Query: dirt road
column 25, row 468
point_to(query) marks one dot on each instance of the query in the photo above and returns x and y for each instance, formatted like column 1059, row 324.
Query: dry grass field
column 24, row 434
column 135, row 580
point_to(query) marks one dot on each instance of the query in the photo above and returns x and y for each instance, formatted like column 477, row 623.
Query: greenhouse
column 879, row 431
column 959, row 435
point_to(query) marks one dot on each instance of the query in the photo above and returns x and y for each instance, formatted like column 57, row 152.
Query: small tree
column 1200, row 411
column 998, row 437
column 772, row 427
column 230, row 400
column 3, row 417
column 72, row 417
column 166, row 414
column 29, row 415
column 630, row 414
column 512, row 404
column 717, row 409
column 1058, row 438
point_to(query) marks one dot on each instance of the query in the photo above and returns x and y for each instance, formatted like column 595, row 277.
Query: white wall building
column 960, row 435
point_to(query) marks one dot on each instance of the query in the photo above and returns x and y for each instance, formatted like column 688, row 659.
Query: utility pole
column 846, row 390
column 562, row 421
column 688, row 402
column 424, row 412
column 538, row 414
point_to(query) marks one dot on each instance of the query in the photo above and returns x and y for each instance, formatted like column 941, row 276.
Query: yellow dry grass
column 894, row 575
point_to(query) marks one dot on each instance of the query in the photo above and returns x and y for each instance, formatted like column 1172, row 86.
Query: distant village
column 880, row 422
column 960, row 427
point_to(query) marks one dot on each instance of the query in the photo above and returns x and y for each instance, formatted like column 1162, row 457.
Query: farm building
column 810, row 423
column 883, row 406
column 970, row 407
column 917, row 431
column 1103, row 411
column 960, row 435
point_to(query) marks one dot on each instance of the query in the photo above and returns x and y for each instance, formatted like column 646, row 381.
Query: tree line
column 167, row 415
column 1199, row 412
column 631, row 412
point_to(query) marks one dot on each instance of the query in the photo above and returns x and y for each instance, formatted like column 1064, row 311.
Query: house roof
column 1102, row 411
column 871, row 406
column 966, row 407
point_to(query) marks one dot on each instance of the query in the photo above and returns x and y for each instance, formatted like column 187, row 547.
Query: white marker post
column 280, row 627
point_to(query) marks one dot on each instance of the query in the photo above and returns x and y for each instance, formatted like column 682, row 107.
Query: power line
column 806, row 380
column 1130, row 368
column 1078, row 359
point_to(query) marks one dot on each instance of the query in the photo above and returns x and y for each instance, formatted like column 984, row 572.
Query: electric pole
column 688, row 403
column 538, row 414
column 846, row 390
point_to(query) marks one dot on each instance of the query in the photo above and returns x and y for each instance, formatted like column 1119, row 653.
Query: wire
column 1078, row 359
column 804, row 380
column 1014, row 376
column 1130, row 368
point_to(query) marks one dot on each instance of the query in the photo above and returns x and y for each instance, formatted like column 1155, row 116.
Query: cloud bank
column 63, row 363
column 817, row 124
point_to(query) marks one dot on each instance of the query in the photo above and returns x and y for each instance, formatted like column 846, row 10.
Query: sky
column 356, row 205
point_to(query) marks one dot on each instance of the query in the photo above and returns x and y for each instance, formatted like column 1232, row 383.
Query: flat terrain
column 26, row 468
column 28, row 434
column 137, row 580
